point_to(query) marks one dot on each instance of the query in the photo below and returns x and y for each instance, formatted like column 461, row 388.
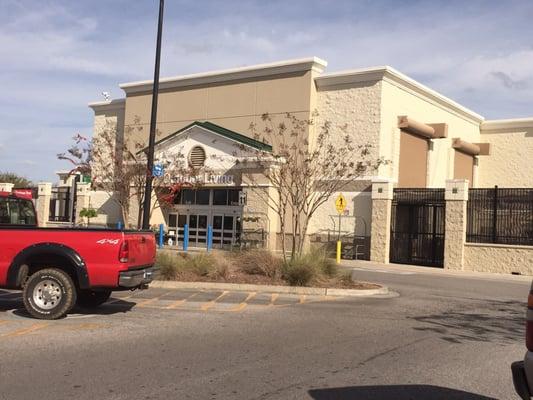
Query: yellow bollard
column 338, row 251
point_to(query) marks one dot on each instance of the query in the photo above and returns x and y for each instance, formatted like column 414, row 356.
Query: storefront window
column 187, row 196
column 172, row 220
column 233, row 195
column 220, row 197
column 202, row 197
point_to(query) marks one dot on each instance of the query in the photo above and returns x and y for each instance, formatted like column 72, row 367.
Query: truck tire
column 49, row 294
column 93, row 298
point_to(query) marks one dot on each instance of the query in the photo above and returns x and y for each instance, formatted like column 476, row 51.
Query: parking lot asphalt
column 440, row 339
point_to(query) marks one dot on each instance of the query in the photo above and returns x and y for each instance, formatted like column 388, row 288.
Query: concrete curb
column 383, row 290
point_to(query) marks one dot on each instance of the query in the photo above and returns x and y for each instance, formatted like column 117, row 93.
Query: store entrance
column 226, row 228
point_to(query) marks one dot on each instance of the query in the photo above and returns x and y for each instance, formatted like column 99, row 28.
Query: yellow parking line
column 273, row 298
column 84, row 326
column 244, row 303
column 180, row 302
column 4, row 322
column 149, row 301
column 211, row 303
column 24, row 331
column 146, row 302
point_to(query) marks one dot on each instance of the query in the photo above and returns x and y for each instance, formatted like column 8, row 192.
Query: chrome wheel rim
column 47, row 294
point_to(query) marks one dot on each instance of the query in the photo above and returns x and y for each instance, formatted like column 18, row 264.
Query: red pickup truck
column 57, row 268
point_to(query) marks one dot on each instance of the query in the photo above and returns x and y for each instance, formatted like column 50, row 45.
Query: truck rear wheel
column 93, row 298
column 49, row 294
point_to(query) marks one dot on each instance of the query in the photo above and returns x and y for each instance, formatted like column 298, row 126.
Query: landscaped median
column 260, row 270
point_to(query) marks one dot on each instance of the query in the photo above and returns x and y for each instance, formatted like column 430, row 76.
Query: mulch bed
column 234, row 275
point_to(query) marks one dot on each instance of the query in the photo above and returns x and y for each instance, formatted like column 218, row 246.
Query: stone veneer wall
column 355, row 106
column 511, row 150
column 455, row 234
column 498, row 258
column 380, row 238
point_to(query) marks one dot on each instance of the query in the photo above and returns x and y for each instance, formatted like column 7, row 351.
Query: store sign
column 158, row 170
column 205, row 179
column 25, row 193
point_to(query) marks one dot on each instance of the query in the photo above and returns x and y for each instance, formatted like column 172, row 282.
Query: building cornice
column 109, row 105
column 513, row 123
column 394, row 77
column 314, row 64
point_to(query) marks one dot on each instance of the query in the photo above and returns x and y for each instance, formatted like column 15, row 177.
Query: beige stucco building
column 426, row 137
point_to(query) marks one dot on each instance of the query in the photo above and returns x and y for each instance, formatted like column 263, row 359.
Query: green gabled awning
column 227, row 133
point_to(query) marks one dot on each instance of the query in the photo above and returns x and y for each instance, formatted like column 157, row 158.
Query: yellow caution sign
column 340, row 203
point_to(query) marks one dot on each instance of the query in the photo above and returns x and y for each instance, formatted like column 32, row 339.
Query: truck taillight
column 529, row 323
column 124, row 253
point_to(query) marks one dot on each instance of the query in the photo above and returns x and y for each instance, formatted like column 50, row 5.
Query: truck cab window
column 17, row 212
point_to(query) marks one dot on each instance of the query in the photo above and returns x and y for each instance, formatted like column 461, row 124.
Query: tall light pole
column 153, row 121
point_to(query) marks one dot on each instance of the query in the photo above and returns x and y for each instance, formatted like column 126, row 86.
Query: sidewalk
column 402, row 268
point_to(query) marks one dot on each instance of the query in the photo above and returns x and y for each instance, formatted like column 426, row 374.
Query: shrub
column 346, row 278
column 298, row 272
column 221, row 269
column 311, row 267
column 173, row 266
column 202, row 264
column 167, row 265
column 259, row 262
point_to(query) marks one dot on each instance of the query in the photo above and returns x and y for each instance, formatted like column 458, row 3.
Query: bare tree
column 308, row 166
column 117, row 165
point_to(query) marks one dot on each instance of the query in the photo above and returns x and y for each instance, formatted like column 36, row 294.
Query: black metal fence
column 498, row 215
column 60, row 204
column 419, row 196
column 417, row 227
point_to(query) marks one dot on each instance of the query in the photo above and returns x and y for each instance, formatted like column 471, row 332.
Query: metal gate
column 417, row 227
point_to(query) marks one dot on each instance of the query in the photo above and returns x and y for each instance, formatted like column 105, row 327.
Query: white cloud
column 29, row 163
column 57, row 57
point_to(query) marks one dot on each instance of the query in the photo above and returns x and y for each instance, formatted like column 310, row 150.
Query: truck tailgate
column 141, row 248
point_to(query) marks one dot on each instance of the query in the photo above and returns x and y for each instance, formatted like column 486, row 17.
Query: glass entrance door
column 197, row 230
column 226, row 230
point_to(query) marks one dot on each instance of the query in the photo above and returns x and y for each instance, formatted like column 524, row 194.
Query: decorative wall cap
column 382, row 189
column 456, row 189
column 254, row 71
column 44, row 188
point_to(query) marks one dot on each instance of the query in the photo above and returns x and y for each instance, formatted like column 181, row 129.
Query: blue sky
column 56, row 56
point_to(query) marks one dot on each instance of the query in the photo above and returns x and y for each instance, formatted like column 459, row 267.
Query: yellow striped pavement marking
column 25, row 331
column 211, row 303
column 243, row 304
column 180, row 302
column 273, row 298
column 146, row 302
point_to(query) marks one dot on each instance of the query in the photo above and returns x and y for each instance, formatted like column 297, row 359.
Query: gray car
column 523, row 370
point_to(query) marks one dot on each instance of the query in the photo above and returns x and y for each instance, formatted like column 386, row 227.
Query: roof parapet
column 255, row 71
column 108, row 105
column 511, row 123
column 395, row 77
